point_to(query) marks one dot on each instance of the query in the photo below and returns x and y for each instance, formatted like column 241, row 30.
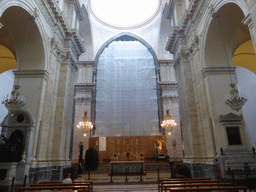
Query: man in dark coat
column 91, row 159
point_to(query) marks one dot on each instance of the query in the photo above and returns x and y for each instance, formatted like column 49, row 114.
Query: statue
column 11, row 150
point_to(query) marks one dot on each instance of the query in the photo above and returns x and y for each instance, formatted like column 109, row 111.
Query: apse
column 126, row 94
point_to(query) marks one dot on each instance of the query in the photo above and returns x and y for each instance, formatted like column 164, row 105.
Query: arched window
column 126, row 95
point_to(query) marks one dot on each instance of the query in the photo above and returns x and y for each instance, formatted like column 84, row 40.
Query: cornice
column 78, row 41
column 170, row 97
column 84, row 85
column 217, row 71
column 31, row 74
column 56, row 12
column 60, row 19
column 85, row 63
column 230, row 117
column 167, row 84
column 166, row 62
column 179, row 31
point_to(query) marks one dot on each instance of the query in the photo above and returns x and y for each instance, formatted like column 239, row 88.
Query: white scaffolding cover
column 126, row 96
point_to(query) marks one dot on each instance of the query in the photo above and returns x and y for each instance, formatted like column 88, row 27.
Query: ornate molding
column 85, row 63
column 57, row 15
column 80, row 100
column 31, row 74
column 167, row 84
column 193, row 45
column 171, row 39
column 248, row 21
column 78, row 41
column 72, row 63
column 166, row 62
column 88, row 86
column 230, row 118
column 173, row 98
column 177, row 31
column 218, row 71
column 182, row 55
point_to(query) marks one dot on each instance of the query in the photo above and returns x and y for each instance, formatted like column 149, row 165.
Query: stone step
column 149, row 167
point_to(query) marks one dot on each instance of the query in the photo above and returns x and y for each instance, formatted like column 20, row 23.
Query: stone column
column 188, row 114
column 63, row 117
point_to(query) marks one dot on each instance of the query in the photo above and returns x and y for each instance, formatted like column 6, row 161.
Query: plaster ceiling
column 244, row 56
column 7, row 59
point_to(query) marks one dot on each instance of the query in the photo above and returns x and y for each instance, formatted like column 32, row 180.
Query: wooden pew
column 161, row 184
column 88, row 185
column 180, row 179
column 229, row 188
column 166, row 187
column 44, row 188
column 49, row 182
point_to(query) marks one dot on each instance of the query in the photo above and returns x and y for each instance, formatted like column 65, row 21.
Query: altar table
column 132, row 167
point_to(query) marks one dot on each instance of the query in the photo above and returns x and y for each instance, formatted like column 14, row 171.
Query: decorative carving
column 193, row 45
column 171, row 97
column 55, row 46
column 185, row 54
column 230, row 117
column 35, row 13
column 65, row 56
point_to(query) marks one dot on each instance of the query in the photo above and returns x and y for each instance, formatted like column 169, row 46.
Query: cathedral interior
column 134, row 80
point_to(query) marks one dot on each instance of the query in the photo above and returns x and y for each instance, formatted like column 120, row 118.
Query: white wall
column 6, row 85
column 247, row 86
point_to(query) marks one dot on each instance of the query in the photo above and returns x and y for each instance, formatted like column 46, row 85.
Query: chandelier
column 168, row 124
column 15, row 102
column 85, row 125
column 235, row 102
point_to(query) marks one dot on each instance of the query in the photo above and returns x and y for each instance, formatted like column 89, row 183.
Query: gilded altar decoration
column 141, row 156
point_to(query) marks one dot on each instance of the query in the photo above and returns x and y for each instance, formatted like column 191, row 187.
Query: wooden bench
column 52, row 188
column 229, row 188
column 49, row 182
column 88, row 185
column 166, row 187
column 161, row 184
column 180, row 179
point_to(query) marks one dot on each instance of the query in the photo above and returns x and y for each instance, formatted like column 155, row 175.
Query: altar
column 129, row 167
column 128, row 148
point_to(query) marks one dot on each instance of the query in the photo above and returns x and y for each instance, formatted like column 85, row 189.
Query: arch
column 10, row 119
column 124, row 71
column 219, row 38
column 15, row 17
column 127, row 36
column 241, row 4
